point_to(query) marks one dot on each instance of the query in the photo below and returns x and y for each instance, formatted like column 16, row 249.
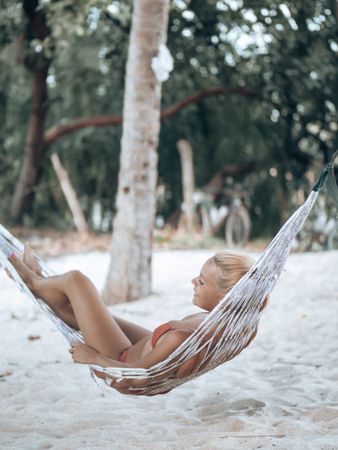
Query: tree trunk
column 186, row 221
column 70, row 195
column 35, row 145
column 34, row 148
column 129, row 275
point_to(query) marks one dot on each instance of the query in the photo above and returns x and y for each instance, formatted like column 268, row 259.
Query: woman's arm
column 170, row 342
column 84, row 354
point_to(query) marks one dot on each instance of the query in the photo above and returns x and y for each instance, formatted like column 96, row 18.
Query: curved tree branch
column 58, row 131
column 54, row 133
column 200, row 95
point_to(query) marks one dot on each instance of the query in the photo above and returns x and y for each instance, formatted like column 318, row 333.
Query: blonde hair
column 232, row 266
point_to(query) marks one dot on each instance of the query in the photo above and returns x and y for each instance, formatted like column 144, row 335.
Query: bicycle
column 224, row 211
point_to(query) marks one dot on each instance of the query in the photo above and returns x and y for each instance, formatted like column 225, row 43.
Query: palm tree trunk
column 129, row 275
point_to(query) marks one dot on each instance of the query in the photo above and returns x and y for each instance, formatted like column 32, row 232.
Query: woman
column 114, row 342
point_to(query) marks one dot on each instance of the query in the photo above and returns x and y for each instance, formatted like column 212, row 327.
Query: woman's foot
column 44, row 288
column 29, row 259
column 27, row 275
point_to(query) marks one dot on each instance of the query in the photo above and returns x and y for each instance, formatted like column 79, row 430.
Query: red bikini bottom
column 123, row 355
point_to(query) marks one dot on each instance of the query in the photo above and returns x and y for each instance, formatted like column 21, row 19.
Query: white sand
column 280, row 393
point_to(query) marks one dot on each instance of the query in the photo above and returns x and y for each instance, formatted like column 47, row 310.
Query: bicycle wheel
column 237, row 227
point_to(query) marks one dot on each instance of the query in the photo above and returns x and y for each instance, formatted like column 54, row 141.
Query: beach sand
column 279, row 393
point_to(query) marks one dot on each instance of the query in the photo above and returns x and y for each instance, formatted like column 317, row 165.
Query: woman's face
column 206, row 293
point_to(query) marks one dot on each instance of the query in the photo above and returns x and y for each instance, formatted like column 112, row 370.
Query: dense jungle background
column 254, row 86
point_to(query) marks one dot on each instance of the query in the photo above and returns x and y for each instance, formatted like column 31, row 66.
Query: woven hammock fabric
column 225, row 332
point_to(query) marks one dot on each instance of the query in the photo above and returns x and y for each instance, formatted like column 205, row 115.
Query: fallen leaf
column 5, row 374
column 33, row 337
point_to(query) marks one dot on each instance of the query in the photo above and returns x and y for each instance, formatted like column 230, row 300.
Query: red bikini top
column 158, row 332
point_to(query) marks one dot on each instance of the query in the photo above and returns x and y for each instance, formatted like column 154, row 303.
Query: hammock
column 223, row 334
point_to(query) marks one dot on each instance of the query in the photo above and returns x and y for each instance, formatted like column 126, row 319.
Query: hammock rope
column 223, row 334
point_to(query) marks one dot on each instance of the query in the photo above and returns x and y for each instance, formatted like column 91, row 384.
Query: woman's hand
column 83, row 354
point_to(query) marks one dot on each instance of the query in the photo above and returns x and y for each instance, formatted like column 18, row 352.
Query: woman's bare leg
column 98, row 327
column 134, row 332
column 61, row 305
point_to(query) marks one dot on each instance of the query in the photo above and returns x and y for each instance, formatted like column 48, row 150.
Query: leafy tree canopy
column 284, row 53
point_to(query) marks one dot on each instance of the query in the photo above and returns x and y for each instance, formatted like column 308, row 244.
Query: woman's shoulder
column 200, row 316
column 190, row 322
column 187, row 325
column 178, row 335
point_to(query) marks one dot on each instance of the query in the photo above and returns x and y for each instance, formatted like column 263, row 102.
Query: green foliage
column 285, row 52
